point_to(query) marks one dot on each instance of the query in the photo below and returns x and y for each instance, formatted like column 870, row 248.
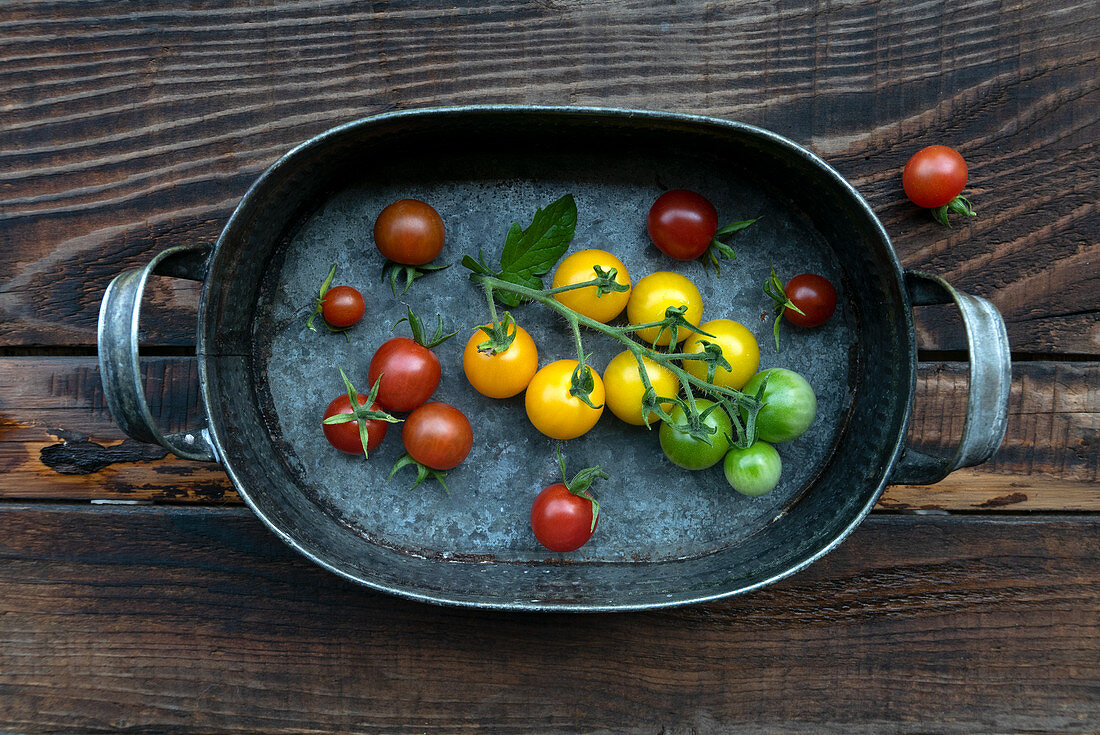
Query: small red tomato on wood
column 934, row 178
column 342, row 306
column 438, row 435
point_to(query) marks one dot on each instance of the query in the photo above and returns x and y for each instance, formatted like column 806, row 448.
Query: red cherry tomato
column 410, row 373
column 561, row 520
column 814, row 295
column 409, row 231
column 438, row 435
column 342, row 306
column 682, row 224
column 934, row 176
column 345, row 436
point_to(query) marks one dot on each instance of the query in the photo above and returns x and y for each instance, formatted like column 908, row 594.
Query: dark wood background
column 969, row 606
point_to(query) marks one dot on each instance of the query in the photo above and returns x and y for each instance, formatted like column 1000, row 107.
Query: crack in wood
column 84, row 457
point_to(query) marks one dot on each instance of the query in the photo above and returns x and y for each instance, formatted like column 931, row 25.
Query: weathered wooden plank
column 146, row 613
column 57, row 439
column 128, row 132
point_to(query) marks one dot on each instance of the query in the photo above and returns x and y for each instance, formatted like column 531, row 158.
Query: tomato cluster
column 403, row 373
column 672, row 354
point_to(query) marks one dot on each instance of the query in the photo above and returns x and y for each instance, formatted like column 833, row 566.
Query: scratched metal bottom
column 666, row 536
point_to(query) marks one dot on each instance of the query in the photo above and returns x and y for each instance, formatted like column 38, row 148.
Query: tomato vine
column 742, row 407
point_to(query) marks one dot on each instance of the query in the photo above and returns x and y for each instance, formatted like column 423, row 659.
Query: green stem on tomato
column 492, row 304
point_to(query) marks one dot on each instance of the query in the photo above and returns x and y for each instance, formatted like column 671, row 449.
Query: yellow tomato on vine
column 657, row 292
column 553, row 410
column 503, row 374
column 625, row 390
column 739, row 348
column 580, row 267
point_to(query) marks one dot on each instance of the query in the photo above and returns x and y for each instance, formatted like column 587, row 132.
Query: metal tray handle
column 990, row 380
column 119, row 368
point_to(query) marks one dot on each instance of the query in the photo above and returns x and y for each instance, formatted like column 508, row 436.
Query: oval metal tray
column 652, row 512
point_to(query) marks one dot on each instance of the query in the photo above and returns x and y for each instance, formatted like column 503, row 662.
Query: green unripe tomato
column 690, row 453
column 789, row 404
column 753, row 471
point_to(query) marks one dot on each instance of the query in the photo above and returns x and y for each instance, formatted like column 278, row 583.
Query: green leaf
column 512, row 300
column 529, row 253
column 535, row 250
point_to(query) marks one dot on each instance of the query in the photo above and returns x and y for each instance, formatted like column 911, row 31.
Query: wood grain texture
column 130, row 130
column 57, row 438
column 199, row 620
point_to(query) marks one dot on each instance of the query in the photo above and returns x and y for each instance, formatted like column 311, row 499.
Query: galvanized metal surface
column 117, row 338
column 667, row 536
column 990, row 382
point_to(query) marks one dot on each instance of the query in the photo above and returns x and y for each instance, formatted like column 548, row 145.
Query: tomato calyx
column 713, row 357
column 958, row 205
column 423, row 472
column 773, row 287
column 392, row 270
column 695, row 422
column 673, row 322
column 500, row 338
column 361, row 413
column 319, row 305
column 419, row 334
column 604, row 282
column 718, row 250
column 581, row 483
column 581, row 383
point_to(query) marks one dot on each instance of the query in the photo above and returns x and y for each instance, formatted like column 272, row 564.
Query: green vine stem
column 733, row 401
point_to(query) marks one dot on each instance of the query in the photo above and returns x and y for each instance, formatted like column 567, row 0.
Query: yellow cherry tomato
column 623, row 385
column 578, row 268
column 504, row 374
column 739, row 348
column 655, row 293
column 553, row 410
